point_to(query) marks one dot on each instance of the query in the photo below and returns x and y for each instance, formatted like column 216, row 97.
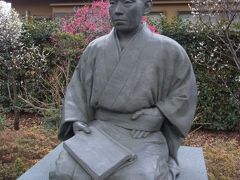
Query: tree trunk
column 14, row 101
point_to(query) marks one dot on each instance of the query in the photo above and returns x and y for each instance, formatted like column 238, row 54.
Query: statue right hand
column 81, row 126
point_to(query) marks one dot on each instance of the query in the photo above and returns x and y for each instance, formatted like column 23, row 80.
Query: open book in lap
column 97, row 153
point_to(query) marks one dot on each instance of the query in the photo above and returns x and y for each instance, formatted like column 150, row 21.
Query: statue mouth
column 119, row 21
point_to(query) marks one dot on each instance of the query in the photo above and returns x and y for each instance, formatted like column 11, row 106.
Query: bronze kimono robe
column 109, row 85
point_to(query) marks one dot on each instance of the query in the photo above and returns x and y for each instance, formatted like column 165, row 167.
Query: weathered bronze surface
column 137, row 86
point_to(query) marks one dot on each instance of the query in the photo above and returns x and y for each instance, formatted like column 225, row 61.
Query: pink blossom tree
column 91, row 20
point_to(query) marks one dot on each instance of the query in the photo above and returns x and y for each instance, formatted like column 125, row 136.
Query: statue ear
column 147, row 7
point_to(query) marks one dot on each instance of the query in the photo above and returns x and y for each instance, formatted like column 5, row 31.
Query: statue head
column 126, row 15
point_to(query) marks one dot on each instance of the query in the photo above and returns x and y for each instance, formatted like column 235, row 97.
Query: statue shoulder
column 93, row 48
column 171, row 49
column 166, row 42
column 97, row 43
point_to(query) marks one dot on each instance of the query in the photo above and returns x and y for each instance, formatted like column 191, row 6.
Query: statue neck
column 125, row 36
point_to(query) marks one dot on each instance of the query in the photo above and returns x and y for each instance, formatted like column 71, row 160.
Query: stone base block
column 190, row 158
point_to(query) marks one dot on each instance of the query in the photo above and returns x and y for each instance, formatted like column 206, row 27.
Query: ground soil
column 220, row 147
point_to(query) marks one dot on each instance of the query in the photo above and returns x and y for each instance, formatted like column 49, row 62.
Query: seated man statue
column 138, row 87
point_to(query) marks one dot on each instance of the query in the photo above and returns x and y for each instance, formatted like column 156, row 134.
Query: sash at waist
column 144, row 122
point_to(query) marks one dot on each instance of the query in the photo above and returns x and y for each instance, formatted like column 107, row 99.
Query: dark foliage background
column 41, row 83
column 217, row 76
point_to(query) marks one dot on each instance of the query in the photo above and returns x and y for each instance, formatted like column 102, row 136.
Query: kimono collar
column 141, row 29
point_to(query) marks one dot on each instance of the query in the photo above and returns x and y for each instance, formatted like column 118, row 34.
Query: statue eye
column 112, row 2
column 128, row 1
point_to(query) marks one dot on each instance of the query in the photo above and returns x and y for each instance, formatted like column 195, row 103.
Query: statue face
column 126, row 14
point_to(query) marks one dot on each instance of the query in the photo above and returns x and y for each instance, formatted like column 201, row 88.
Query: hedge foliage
column 42, row 88
column 217, row 76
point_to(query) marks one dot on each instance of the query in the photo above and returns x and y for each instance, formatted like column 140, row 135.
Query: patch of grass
column 19, row 150
column 221, row 152
column 223, row 160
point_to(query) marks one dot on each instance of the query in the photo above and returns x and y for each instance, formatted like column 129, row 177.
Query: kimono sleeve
column 180, row 105
column 76, row 102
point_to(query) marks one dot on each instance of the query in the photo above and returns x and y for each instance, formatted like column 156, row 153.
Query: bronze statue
column 137, row 86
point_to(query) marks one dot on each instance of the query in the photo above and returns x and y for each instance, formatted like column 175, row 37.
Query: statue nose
column 119, row 10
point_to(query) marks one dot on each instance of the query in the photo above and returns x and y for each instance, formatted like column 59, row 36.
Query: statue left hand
column 81, row 126
column 149, row 111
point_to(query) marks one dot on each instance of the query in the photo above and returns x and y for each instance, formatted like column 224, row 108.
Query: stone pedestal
column 190, row 158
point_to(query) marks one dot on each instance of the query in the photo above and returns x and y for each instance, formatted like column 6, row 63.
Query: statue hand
column 81, row 126
column 139, row 134
column 148, row 111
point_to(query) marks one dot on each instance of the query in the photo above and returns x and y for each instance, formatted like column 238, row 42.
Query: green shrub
column 2, row 121
column 38, row 32
column 52, row 118
column 5, row 103
column 42, row 79
column 44, row 85
column 217, row 76
column 64, row 51
column 46, row 60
